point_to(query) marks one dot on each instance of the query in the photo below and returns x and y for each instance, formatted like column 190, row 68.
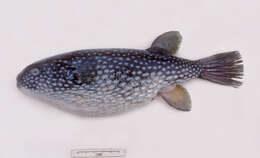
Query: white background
column 224, row 121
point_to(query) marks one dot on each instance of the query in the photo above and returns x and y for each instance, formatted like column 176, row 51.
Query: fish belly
column 105, row 102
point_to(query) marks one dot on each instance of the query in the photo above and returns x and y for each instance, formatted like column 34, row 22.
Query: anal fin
column 177, row 97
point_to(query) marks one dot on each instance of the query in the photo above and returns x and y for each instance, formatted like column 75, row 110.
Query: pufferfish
column 103, row 82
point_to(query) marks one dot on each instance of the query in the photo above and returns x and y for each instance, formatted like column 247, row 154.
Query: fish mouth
column 19, row 79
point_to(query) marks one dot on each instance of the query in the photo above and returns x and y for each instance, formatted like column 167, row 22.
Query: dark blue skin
column 124, row 76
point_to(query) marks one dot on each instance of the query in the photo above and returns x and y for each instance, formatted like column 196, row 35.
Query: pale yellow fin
column 178, row 97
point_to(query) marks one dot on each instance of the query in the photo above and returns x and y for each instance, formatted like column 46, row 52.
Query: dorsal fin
column 167, row 43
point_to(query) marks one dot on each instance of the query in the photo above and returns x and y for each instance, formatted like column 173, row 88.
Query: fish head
column 48, row 77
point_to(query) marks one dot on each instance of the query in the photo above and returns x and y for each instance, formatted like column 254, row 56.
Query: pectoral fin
column 167, row 43
column 178, row 97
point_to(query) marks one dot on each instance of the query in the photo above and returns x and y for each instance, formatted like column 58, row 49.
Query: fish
column 105, row 82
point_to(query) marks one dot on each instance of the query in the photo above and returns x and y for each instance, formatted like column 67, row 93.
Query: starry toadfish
column 102, row 82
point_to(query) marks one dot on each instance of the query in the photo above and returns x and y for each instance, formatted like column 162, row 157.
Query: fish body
column 102, row 82
column 105, row 81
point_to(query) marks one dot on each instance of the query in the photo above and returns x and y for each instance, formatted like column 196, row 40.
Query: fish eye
column 35, row 71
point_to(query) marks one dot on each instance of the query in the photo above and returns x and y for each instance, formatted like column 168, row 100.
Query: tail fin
column 223, row 68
